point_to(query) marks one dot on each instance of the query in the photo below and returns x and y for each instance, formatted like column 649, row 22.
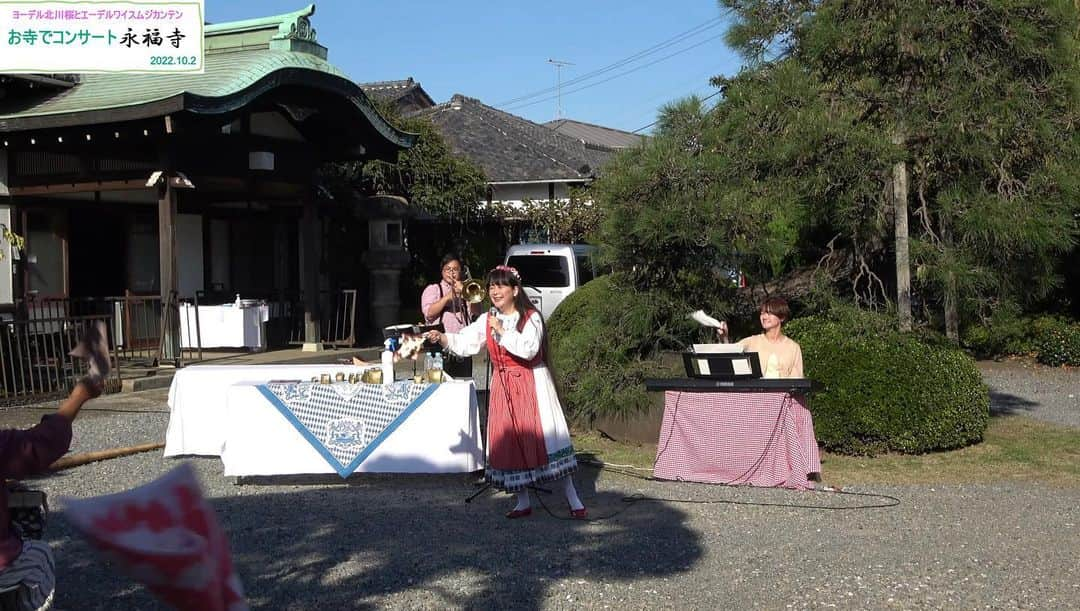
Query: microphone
column 494, row 312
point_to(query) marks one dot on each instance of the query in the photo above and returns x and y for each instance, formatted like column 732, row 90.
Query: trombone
column 471, row 290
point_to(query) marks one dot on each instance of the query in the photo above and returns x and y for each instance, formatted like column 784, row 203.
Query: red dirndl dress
column 517, row 454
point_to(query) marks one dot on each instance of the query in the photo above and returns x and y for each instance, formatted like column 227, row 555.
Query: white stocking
column 522, row 500
column 571, row 493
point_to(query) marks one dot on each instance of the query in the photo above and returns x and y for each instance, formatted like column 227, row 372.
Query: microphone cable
column 883, row 500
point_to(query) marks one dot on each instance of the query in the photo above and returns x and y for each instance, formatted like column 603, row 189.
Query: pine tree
column 977, row 102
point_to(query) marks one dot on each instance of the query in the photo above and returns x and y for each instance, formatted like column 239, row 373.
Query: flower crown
column 506, row 268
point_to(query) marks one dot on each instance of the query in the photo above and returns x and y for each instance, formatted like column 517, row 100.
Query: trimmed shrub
column 883, row 391
column 1058, row 343
column 1006, row 333
column 601, row 339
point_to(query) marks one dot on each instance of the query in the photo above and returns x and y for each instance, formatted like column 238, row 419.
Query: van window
column 541, row 271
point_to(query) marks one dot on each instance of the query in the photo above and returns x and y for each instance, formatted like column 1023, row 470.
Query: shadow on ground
column 406, row 541
column 1005, row 404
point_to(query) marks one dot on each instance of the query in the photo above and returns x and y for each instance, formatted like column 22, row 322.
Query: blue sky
column 497, row 51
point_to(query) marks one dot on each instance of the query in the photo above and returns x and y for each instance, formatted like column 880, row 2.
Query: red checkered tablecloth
column 755, row 438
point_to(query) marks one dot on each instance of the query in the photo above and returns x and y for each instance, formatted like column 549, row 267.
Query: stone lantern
column 385, row 256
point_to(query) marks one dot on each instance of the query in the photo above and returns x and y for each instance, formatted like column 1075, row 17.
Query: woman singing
column 528, row 440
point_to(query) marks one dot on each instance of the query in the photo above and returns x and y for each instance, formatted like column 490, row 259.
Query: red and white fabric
column 167, row 536
column 753, row 438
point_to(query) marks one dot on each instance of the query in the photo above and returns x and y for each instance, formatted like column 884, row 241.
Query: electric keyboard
column 792, row 385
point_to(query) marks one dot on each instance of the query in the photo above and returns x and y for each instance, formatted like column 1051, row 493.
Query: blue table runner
column 345, row 422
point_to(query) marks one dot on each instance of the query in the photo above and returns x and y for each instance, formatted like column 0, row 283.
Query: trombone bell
column 472, row 291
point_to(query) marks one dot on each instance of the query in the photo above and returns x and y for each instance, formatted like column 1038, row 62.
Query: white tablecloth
column 441, row 436
column 197, row 400
column 223, row 326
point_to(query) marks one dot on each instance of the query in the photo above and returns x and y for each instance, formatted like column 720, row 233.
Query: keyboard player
column 780, row 356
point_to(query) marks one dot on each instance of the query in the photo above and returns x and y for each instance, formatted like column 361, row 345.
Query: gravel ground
column 1023, row 387
column 411, row 542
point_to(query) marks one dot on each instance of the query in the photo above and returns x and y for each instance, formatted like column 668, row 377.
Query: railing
column 34, row 360
column 286, row 317
column 139, row 339
column 338, row 325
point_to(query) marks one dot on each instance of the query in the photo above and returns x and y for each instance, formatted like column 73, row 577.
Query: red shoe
column 519, row 513
column 579, row 514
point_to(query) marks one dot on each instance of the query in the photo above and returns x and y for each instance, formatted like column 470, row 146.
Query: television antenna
column 559, row 64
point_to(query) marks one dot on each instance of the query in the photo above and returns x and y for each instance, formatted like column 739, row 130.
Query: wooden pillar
column 167, row 267
column 309, row 274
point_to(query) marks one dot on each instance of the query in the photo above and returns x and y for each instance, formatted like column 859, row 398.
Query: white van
column 550, row 272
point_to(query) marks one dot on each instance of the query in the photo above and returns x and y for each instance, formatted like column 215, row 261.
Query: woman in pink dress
column 528, row 440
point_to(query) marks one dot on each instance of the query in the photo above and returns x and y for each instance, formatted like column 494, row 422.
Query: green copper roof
column 226, row 74
column 243, row 60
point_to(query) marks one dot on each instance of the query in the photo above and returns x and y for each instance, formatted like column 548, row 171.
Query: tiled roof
column 512, row 149
column 407, row 95
column 596, row 134
column 390, row 90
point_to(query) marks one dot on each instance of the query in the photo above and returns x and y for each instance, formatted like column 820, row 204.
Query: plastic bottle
column 429, row 361
column 436, row 361
column 388, row 362
column 237, row 304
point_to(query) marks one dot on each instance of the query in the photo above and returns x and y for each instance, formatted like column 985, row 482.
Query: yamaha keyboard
column 792, row 385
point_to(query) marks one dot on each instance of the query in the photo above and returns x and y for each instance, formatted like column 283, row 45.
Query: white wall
column 7, row 285
column 3, row 173
column 189, row 254
column 515, row 194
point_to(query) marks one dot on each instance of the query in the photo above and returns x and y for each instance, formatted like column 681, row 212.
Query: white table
column 197, row 400
column 224, row 326
column 442, row 435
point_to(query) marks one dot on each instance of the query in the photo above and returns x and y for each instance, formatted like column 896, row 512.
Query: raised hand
column 722, row 332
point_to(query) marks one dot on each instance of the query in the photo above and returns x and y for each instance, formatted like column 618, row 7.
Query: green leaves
column 883, row 391
column 428, row 175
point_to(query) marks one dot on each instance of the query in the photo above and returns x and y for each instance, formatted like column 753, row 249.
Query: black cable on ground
column 887, row 500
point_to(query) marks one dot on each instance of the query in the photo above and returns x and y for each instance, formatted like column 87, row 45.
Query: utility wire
column 706, row 98
column 622, row 62
column 600, row 82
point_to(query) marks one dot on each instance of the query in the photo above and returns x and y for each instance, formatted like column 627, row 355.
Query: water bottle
column 237, row 304
column 436, row 362
column 388, row 362
column 429, row 362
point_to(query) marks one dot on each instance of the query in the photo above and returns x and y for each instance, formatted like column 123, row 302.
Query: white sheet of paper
column 703, row 366
column 718, row 348
column 741, row 367
column 704, row 319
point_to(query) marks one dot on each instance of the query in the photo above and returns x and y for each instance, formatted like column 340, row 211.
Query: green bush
column 883, row 391
column 1058, row 343
column 1006, row 333
column 602, row 340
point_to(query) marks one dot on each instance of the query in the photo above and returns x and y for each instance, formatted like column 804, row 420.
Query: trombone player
column 453, row 303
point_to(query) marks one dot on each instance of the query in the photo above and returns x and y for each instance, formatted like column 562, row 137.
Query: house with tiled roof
column 596, row 135
column 406, row 95
column 522, row 160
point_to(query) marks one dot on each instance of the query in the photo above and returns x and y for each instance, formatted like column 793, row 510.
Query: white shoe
column 94, row 347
